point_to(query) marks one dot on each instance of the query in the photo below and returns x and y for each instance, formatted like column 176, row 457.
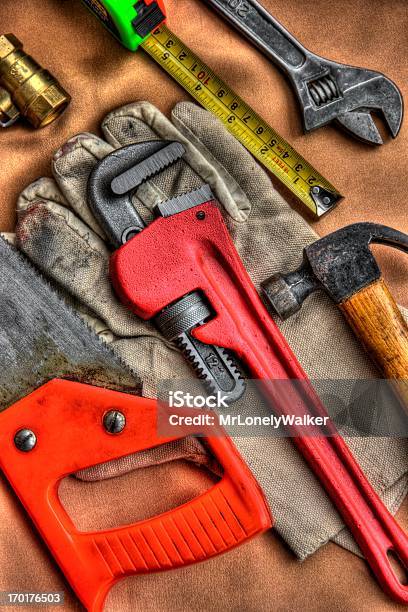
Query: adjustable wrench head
column 348, row 96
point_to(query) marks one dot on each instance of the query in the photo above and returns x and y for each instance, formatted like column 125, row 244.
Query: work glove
column 59, row 233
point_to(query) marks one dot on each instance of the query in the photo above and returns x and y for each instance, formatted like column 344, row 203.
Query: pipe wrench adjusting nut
column 34, row 91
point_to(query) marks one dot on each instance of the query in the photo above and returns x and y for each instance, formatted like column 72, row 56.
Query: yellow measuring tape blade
column 312, row 189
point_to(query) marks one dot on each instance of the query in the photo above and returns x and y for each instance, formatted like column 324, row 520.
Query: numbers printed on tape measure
column 246, row 125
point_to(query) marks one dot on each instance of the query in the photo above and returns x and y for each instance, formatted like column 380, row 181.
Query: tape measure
column 131, row 23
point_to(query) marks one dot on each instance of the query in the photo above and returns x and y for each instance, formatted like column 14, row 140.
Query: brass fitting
column 36, row 93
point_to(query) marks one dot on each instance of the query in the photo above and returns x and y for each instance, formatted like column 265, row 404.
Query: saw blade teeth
column 46, row 291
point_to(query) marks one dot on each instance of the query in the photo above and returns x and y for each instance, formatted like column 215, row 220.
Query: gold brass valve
column 34, row 91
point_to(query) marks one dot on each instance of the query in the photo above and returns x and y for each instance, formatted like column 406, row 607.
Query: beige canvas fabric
column 56, row 229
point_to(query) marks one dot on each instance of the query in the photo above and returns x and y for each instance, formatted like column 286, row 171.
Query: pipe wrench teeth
column 164, row 155
column 187, row 200
column 214, row 365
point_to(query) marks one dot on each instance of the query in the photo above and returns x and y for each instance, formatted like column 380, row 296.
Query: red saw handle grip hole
column 134, row 493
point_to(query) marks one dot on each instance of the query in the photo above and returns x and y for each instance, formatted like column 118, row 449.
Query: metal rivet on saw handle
column 25, row 440
column 114, row 422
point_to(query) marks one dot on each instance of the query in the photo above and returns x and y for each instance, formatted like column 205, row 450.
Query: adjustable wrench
column 183, row 273
column 327, row 91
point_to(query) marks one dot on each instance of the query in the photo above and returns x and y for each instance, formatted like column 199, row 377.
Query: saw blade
column 42, row 338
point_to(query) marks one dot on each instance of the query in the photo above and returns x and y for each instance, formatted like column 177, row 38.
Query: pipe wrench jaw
column 115, row 179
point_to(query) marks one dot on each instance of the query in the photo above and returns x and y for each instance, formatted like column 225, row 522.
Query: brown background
column 100, row 75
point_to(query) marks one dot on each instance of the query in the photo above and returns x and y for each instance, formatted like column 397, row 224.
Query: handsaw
column 58, row 384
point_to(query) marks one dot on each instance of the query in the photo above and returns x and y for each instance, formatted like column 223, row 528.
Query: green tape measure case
column 130, row 21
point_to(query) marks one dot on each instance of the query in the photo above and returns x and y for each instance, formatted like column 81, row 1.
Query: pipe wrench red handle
column 190, row 253
column 67, row 420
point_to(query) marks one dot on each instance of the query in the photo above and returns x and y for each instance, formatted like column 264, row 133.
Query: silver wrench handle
column 250, row 18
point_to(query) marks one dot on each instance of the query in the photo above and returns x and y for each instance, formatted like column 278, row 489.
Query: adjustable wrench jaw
column 347, row 95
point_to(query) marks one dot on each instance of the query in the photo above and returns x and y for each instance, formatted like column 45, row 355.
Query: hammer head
column 341, row 264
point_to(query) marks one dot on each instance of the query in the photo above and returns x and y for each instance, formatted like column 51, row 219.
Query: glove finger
column 45, row 192
column 72, row 165
column 142, row 121
column 69, row 253
column 42, row 189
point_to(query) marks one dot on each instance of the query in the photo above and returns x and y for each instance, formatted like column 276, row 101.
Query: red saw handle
column 194, row 252
column 67, row 419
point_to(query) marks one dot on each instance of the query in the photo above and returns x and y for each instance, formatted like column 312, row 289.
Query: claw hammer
column 343, row 265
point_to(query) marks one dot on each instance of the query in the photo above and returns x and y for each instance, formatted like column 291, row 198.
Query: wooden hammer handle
column 377, row 321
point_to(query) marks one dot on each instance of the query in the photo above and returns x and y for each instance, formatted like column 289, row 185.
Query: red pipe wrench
column 183, row 272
